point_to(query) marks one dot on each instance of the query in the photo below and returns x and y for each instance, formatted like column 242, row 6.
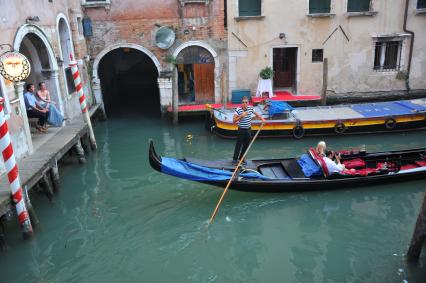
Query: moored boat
column 306, row 173
column 327, row 120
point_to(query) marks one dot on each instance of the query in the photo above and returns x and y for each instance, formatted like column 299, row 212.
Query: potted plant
column 266, row 73
column 265, row 83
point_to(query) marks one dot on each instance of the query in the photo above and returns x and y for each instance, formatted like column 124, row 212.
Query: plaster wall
column 350, row 57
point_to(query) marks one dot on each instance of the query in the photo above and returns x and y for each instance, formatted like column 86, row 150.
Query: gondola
column 299, row 122
column 306, row 173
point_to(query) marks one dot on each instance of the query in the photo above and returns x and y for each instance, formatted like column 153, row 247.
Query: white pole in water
column 79, row 88
column 13, row 176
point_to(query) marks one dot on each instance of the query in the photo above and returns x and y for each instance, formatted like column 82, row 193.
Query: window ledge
column 183, row 2
column 321, row 15
column 362, row 14
column 421, row 11
column 245, row 18
column 96, row 4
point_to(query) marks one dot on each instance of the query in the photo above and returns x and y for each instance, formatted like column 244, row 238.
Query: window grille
column 387, row 55
column 317, row 55
column 194, row 55
column 421, row 4
column 319, row 6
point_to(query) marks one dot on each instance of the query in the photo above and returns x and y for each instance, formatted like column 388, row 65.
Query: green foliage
column 170, row 59
column 266, row 73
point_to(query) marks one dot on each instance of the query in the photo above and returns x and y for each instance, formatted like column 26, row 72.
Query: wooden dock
column 48, row 150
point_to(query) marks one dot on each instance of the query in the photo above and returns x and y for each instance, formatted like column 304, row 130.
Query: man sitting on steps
column 34, row 109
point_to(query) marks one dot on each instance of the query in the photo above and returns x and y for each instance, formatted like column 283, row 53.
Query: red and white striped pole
column 13, row 175
column 79, row 88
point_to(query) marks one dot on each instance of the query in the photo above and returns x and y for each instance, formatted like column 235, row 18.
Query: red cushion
column 408, row 166
column 356, row 163
column 421, row 163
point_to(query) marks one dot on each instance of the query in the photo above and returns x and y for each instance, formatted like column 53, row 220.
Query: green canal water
column 117, row 220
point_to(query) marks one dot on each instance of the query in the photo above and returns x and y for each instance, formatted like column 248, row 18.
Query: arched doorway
column 128, row 79
column 66, row 50
column 31, row 41
column 198, row 73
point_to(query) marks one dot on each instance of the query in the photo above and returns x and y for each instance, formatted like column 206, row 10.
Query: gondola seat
column 356, row 163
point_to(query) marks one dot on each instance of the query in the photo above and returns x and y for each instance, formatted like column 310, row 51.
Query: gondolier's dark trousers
column 243, row 141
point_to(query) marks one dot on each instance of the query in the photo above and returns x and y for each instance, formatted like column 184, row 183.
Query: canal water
column 117, row 220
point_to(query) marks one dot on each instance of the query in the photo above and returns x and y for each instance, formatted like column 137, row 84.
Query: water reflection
column 117, row 220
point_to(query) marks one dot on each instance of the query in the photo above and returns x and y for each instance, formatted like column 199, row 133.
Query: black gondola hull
column 318, row 184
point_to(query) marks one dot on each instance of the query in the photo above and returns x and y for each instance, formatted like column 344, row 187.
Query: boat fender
column 298, row 130
column 390, row 123
column 340, row 127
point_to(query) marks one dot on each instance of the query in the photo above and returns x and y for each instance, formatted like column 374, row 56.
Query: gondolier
column 243, row 117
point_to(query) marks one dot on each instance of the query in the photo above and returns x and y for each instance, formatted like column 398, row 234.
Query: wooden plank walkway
column 33, row 167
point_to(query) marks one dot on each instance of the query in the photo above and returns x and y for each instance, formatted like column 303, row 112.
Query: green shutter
column 319, row 6
column 421, row 4
column 358, row 5
column 249, row 7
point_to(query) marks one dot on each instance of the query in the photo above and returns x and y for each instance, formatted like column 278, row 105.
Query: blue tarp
column 309, row 167
column 412, row 106
column 277, row 107
column 382, row 109
column 190, row 171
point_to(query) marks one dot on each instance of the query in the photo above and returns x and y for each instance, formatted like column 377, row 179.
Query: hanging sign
column 14, row 66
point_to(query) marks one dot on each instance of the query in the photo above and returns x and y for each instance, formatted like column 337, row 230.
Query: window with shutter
column 319, row 6
column 358, row 5
column 421, row 4
column 249, row 8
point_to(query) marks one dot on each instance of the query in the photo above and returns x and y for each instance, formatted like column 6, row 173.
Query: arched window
column 195, row 55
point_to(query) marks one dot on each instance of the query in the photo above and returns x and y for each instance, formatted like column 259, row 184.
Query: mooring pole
column 54, row 175
column 80, row 152
column 419, row 234
column 13, row 176
column 324, row 82
column 79, row 88
column 175, row 96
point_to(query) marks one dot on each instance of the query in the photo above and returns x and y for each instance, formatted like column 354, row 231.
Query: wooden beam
column 419, row 234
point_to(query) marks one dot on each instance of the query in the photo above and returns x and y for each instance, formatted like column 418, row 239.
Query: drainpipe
column 410, row 55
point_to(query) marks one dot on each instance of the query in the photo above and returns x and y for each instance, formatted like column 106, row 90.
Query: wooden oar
column 233, row 176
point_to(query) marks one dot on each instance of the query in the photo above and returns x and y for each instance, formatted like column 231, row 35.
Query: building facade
column 366, row 43
column 136, row 44
column 47, row 33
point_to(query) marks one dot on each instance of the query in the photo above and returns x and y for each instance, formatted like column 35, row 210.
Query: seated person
column 34, row 109
column 335, row 166
column 320, row 149
column 55, row 117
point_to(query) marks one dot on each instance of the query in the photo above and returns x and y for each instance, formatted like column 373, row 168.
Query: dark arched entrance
column 129, row 83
